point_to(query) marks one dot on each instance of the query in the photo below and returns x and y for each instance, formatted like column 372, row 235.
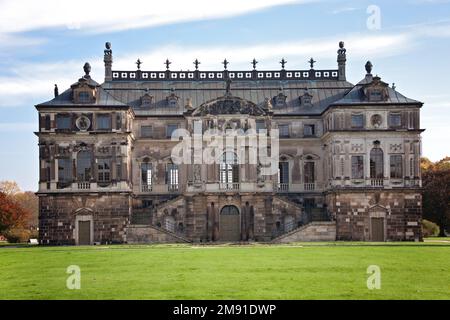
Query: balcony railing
column 229, row 186
column 84, row 185
column 283, row 187
column 146, row 188
column 310, row 186
column 376, row 182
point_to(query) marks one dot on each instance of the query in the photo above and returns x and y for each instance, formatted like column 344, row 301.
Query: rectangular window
column 65, row 170
column 309, row 130
column 396, row 167
column 119, row 170
column 309, row 172
column 260, row 125
column 47, row 122
column 170, row 129
column 103, row 122
column 357, row 120
column 357, row 167
column 118, row 121
column 375, row 95
column 146, row 174
column 395, row 119
column 63, row 122
column 146, row 131
column 104, row 170
column 172, row 174
column 84, row 97
column 283, row 172
column 283, row 130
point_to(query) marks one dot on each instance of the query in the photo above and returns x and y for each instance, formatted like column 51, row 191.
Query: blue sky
column 46, row 42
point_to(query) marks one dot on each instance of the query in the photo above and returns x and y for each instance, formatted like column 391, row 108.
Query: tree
column 12, row 215
column 29, row 202
column 436, row 192
column 10, row 188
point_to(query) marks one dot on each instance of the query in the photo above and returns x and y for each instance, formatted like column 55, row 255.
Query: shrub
column 17, row 235
column 430, row 229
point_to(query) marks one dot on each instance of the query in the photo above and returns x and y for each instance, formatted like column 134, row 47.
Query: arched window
column 84, row 165
column 229, row 170
column 146, row 176
column 376, row 163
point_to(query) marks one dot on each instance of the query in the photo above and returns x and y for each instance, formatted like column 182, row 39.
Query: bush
column 430, row 229
column 17, row 235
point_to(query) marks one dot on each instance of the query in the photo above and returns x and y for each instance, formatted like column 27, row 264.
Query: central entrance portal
column 230, row 224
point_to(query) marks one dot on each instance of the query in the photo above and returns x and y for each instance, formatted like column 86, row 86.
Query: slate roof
column 355, row 96
column 65, row 99
column 324, row 93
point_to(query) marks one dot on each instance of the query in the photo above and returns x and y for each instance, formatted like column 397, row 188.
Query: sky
column 48, row 41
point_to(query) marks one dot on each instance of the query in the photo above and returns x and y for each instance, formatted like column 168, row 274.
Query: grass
column 298, row 271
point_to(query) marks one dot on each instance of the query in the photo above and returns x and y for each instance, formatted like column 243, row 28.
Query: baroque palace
column 346, row 157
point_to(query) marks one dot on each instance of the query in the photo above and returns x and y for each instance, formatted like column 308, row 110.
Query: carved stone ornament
column 229, row 105
column 83, row 123
column 376, row 120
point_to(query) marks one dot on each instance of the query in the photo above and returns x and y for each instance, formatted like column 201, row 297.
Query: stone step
column 313, row 231
column 152, row 234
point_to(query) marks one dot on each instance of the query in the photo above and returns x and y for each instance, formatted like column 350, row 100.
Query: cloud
column 33, row 82
column 343, row 10
column 107, row 16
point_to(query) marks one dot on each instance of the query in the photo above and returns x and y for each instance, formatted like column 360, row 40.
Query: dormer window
column 84, row 97
column 146, row 100
column 376, row 91
column 280, row 99
column 172, row 100
column 375, row 95
column 306, row 99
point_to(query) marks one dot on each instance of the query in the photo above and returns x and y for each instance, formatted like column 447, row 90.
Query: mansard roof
column 356, row 96
column 65, row 99
column 324, row 92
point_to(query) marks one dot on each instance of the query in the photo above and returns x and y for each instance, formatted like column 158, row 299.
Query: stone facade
column 348, row 156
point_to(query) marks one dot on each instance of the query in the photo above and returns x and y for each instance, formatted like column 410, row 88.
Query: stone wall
column 353, row 211
column 109, row 213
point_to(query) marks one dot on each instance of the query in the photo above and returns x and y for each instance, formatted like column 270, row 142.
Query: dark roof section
column 65, row 99
column 199, row 92
column 356, row 97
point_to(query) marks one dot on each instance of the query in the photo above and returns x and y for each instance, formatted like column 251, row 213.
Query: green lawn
column 300, row 271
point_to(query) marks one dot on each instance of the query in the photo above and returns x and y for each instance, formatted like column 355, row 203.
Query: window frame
column 97, row 121
column 396, row 166
column 357, row 167
column 288, row 130
column 356, row 126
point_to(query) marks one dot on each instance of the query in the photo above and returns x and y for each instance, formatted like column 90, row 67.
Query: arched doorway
column 230, row 222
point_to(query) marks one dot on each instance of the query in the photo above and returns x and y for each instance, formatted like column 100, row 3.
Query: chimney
column 341, row 59
column 108, row 60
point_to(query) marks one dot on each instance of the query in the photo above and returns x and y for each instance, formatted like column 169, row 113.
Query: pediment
column 228, row 105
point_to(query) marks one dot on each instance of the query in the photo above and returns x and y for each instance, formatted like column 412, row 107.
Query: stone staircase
column 313, row 231
column 152, row 234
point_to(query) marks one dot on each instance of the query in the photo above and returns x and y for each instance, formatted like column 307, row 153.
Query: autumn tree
column 12, row 215
column 436, row 192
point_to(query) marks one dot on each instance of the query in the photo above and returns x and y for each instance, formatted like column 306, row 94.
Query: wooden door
column 377, row 229
column 230, row 224
column 84, row 233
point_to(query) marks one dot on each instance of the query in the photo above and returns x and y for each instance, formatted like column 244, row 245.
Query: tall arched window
column 84, row 165
column 376, row 163
column 229, row 170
